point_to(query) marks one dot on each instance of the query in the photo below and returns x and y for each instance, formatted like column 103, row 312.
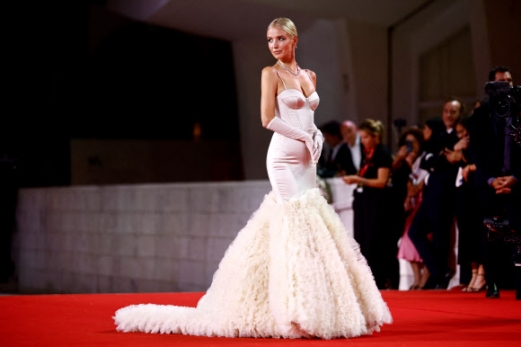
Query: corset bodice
column 297, row 110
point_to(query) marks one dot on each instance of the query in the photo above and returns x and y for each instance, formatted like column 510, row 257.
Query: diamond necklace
column 288, row 70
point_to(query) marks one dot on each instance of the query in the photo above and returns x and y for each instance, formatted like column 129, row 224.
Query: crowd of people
column 449, row 173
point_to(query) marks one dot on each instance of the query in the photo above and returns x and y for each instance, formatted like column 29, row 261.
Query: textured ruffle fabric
column 292, row 272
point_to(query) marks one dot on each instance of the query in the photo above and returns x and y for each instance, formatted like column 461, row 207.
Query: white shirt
column 356, row 152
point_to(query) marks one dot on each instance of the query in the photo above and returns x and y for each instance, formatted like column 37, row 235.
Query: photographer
column 495, row 146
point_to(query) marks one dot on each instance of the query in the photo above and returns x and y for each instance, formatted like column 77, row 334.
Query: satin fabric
column 290, row 168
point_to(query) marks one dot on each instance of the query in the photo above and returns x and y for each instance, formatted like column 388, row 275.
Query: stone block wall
column 135, row 238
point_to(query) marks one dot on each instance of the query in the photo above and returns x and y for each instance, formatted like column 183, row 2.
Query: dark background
column 139, row 82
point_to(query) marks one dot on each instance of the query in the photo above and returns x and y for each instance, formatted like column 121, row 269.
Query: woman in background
column 468, row 216
column 412, row 200
column 371, row 228
column 406, row 250
column 410, row 148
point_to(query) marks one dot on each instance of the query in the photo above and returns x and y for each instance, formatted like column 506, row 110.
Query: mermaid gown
column 291, row 272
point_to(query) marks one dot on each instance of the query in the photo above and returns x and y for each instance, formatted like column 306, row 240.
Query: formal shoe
column 479, row 284
column 492, row 291
column 518, row 294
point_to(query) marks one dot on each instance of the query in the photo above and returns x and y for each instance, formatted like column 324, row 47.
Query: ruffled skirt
column 291, row 272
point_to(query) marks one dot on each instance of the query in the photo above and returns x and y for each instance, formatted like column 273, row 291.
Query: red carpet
column 421, row 318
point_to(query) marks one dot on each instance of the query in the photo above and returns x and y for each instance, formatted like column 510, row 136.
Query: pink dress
column 407, row 250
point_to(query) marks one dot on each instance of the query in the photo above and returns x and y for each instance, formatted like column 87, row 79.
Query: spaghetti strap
column 281, row 79
column 308, row 74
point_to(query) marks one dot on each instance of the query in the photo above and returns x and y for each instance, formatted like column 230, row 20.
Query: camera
column 408, row 145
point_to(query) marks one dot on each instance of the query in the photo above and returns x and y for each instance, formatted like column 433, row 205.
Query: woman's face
column 427, row 132
column 461, row 131
column 368, row 140
column 280, row 43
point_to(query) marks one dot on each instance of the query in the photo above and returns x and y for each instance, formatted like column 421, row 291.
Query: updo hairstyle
column 285, row 24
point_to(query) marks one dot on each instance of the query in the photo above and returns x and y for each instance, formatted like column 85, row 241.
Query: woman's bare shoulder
column 269, row 70
column 269, row 74
column 311, row 73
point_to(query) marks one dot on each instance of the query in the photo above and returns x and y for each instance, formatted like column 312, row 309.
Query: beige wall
column 369, row 55
column 493, row 42
column 412, row 40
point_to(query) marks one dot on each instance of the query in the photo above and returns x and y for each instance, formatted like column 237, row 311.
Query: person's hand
column 402, row 153
column 503, row 185
column 462, row 144
column 310, row 145
column 465, row 172
column 318, row 142
column 452, row 156
column 351, row 179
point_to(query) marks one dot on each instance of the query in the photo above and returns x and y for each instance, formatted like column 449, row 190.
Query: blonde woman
column 292, row 271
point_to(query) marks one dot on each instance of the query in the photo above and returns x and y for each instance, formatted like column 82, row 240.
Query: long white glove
column 279, row 126
column 318, row 142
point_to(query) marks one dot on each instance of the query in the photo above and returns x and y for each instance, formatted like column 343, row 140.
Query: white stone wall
column 139, row 238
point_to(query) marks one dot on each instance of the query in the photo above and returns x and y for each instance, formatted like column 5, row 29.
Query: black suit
column 487, row 140
column 488, row 148
column 342, row 162
column 437, row 210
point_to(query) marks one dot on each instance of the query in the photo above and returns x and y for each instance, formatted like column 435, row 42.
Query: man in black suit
column 494, row 137
column 337, row 160
column 437, row 209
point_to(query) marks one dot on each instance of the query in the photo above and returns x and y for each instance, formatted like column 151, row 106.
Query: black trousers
column 469, row 218
column 498, row 250
column 371, row 231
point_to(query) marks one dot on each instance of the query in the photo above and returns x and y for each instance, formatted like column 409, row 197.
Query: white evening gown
column 291, row 272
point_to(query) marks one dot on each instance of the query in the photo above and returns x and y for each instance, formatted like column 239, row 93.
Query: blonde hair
column 285, row 24
column 373, row 127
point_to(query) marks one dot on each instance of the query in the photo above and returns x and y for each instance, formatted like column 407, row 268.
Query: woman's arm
column 399, row 158
column 276, row 124
column 268, row 95
column 379, row 182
